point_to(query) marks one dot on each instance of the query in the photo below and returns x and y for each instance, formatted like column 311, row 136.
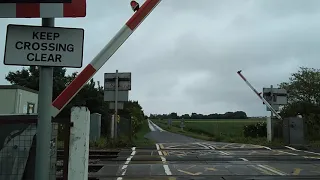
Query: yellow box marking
column 211, row 169
column 190, row 173
column 161, row 146
column 165, row 153
column 277, row 170
column 296, row 171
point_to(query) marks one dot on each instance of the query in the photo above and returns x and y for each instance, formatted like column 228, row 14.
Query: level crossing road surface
column 176, row 157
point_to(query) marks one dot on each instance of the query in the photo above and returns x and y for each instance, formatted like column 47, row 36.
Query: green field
column 226, row 130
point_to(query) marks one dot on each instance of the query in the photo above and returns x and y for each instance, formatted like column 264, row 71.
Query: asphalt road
column 176, row 157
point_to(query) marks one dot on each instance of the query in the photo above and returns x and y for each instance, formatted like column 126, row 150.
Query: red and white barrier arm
column 103, row 56
column 259, row 95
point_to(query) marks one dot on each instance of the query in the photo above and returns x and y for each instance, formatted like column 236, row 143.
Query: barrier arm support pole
column 259, row 95
column 102, row 57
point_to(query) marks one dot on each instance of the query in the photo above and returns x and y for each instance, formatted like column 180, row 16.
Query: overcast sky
column 185, row 55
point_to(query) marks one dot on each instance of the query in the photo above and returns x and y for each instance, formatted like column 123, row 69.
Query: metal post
column 116, row 107
column 271, row 90
column 271, row 114
column 112, row 127
column 44, row 126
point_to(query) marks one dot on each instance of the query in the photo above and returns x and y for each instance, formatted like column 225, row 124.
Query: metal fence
column 18, row 147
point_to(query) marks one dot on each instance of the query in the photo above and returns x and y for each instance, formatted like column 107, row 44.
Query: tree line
column 303, row 89
column 91, row 96
column 227, row 115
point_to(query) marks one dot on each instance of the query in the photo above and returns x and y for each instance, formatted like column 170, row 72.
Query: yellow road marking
column 190, row 173
column 165, row 153
column 172, row 178
column 191, row 166
column 180, row 154
column 211, row 169
column 225, row 146
column 296, row 171
column 161, row 146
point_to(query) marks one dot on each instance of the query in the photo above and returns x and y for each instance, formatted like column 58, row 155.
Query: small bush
column 255, row 130
column 103, row 143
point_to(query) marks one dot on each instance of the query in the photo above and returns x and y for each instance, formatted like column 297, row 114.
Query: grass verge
column 139, row 140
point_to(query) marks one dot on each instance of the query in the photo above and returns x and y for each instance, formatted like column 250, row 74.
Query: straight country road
column 177, row 157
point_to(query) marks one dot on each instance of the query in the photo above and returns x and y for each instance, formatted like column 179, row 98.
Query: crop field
column 231, row 129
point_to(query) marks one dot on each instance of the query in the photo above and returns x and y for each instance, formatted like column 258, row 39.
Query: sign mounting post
column 116, row 106
column 44, row 127
column 116, row 92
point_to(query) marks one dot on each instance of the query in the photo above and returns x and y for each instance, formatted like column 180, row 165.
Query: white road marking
column 200, row 144
column 294, row 149
column 224, row 153
column 244, row 159
column 125, row 166
column 150, row 126
column 278, row 172
column 311, row 157
column 272, row 170
column 312, row 152
column 291, row 148
column 287, row 153
column 211, row 147
column 267, row 148
column 160, row 153
column 163, row 159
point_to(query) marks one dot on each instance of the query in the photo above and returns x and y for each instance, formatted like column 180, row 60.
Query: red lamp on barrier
column 135, row 6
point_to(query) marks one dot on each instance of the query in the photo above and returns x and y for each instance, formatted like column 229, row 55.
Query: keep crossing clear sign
column 44, row 46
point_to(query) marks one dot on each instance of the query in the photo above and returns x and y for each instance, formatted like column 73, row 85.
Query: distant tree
column 185, row 116
column 173, row 115
column 227, row 115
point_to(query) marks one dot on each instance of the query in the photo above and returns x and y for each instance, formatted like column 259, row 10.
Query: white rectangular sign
column 126, row 75
column 119, row 105
column 44, row 46
column 124, row 81
column 275, row 91
column 280, row 96
column 110, row 96
column 122, row 85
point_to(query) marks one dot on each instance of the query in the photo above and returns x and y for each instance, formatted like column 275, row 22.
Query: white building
column 16, row 99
